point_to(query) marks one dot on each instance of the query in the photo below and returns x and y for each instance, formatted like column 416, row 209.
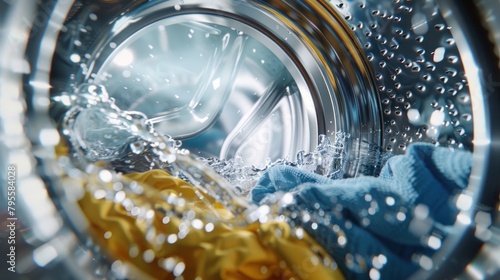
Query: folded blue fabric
column 391, row 215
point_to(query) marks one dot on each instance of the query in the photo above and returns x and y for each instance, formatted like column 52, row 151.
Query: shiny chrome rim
column 62, row 237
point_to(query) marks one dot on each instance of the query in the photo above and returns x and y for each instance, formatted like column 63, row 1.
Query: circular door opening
column 234, row 79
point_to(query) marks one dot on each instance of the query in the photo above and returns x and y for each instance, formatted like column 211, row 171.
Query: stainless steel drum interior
column 390, row 73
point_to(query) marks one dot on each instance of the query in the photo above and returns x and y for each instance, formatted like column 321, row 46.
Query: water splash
column 106, row 141
column 109, row 141
column 328, row 159
column 100, row 133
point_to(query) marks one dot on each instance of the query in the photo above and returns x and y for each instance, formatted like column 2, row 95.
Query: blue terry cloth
column 378, row 215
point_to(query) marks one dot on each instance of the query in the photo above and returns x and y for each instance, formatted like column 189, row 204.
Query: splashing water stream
column 106, row 142
column 100, row 132
column 125, row 142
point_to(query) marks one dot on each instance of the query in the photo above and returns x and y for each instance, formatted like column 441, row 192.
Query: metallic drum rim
column 33, row 119
column 478, row 45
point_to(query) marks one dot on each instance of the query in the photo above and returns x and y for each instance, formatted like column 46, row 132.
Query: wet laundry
column 377, row 226
column 167, row 228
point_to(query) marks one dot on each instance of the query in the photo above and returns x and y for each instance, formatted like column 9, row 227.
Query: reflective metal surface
column 43, row 240
column 291, row 79
column 477, row 37
column 389, row 73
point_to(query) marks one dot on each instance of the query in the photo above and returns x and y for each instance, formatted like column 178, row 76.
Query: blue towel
column 389, row 215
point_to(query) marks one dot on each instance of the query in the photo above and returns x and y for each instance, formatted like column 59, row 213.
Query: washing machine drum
column 244, row 78
column 232, row 78
column 262, row 80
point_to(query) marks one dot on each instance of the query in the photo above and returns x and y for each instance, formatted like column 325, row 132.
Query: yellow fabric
column 258, row 251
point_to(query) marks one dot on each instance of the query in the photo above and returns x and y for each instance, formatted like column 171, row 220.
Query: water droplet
column 133, row 251
column 374, row 274
column 342, row 241
column 169, row 263
column 177, row 143
column 148, row 256
column 105, row 175
column 197, row 224
column 75, row 58
column 299, row 232
column 167, row 158
column 400, row 216
column 165, row 220
column 390, row 201
column 434, row 242
column 425, row 262
column 209, row 227
column 118, row 268
column 172, row 238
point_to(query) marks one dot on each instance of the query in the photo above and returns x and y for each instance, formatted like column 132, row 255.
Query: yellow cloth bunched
column 202, row 243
